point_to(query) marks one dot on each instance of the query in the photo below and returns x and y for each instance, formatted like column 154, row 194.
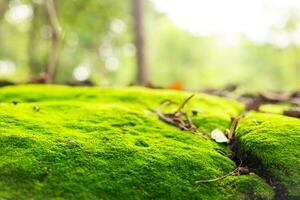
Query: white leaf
column 219, row 136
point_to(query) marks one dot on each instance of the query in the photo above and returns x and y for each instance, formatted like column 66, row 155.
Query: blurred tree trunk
column 3, row 7
column 138, row 14
column 55, row 38
column 32, row 63
column 295, row 50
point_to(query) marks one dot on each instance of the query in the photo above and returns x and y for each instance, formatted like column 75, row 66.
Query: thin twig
column 235, row 172
column 174, row 118
column 169, row 121
column 183, row 104
column 233, row 126
column 218, row 178
column 167, row 102
column 190, row 123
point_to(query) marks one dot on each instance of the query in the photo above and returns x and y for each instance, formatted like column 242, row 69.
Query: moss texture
column 275, row 108
column 88, row 143
column 274, row 142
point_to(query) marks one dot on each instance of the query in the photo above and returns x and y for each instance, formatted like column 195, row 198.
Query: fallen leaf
column 219, row 136
column 176, row 85
column 71, row 142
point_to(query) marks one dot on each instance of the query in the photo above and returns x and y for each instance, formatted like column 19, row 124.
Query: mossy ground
column 274, row 142
column 122, row 150
column 275, row 108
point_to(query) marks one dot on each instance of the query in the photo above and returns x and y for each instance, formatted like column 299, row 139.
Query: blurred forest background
column 97, row 44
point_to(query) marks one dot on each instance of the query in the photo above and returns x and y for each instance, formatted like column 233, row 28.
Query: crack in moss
column 269, row 144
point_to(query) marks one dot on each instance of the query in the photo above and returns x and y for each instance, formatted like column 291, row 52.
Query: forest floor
column 60, row 142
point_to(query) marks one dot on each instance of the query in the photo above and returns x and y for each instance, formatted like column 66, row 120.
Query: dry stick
column 167, row 102
column 183, row 104
column 188, row 120
column 233, row 126
column 164, row 117
column 169, row 121
column 190, row 123
column 177, row 113
column 219, row 178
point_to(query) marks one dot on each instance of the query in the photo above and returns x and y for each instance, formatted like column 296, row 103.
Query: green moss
column 273, row 142
column 213, row 112
column 254, row 187
column 274, row 108
column 90, row 143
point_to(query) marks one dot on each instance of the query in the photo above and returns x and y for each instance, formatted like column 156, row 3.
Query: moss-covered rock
column 272, row 142
column 89, row 143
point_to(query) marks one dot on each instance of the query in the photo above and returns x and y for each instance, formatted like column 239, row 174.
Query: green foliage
column 85, row 26
column 204, row 62
column 173, row 54
column 273, row 141
column 121, row 148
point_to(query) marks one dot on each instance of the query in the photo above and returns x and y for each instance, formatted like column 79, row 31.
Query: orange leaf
column 176, row 85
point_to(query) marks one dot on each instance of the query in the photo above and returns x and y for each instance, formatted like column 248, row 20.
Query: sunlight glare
column 253, row 19
column 19, row 13
column 7, row 67
column 82, row 72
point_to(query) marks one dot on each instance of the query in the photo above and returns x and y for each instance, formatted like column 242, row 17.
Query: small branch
column 167, row 102
column 190, row 123
column 183, row 104
column 233, row 126
column 166, row 119
column 179, row 118
column 235, row 172
column 169, row 121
